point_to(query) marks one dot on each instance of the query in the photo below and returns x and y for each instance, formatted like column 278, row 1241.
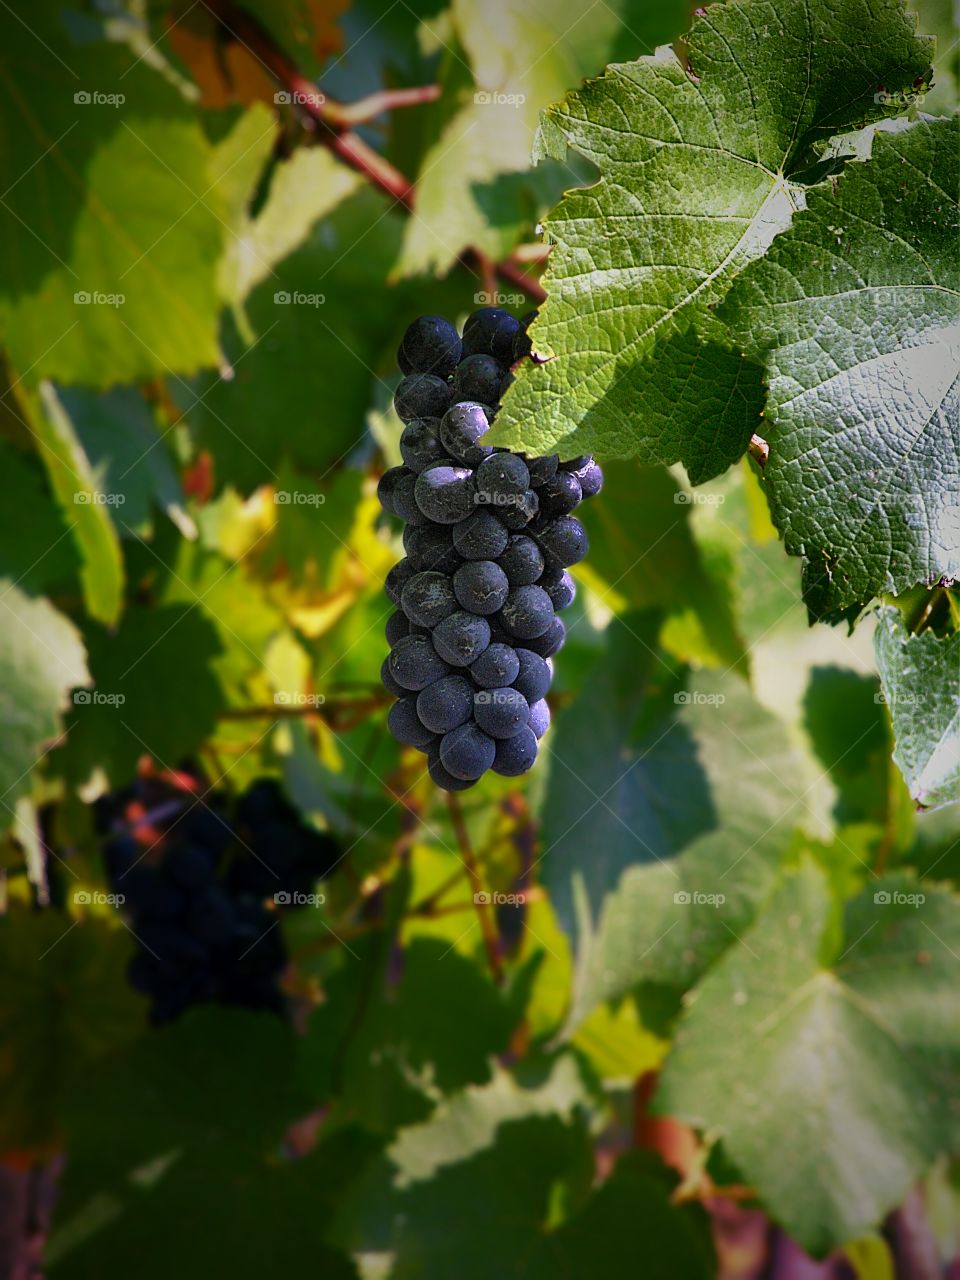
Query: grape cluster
column 489, row 536
column 195, row 889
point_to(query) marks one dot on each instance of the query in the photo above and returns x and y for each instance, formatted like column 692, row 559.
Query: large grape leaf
column 664, row 794
column 474, row 186
column 856, row 312
column 84, row 504
column 828, row 1060
column 921, row 686
column 41, row 657
column 36, row 549
column 110, row 227
column 697, row 164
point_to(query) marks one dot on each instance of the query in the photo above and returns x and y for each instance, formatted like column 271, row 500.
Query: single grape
column 443, row 777
column 461, row 429
column 420, row 443
column 415, row 663
column 445, row 704
column 398, row 626
column 501, row 478
column 560, row 587
column 481, row 536
column 551, row 641
column 516, row 755
column 516, row 515
column 500, row 712
column 533, row 677
column 540, row 718
column 430, row 546
column 543, row 468
column 428, row 598
column 563, row 542
column 445, row 494
column 478, row 378
column 497, row 666
column 461, row 638
column 404, row 499
column 521, row 561
column 406, row 726
column 386, row 485
column 559, row 496
column 387, row 679
column 421, row 395
column 431, row 344
column 480, row 586
column 490, row 331
column 527, row 612
column 467, row 752
column 397, row 578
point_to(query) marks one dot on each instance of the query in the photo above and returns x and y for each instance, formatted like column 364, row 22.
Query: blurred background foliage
column 204, row 283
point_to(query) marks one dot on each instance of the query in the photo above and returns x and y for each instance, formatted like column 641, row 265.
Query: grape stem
column 487, row 927
column 331, row 121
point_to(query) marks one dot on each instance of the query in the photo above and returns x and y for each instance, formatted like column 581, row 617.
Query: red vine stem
column 332, row 121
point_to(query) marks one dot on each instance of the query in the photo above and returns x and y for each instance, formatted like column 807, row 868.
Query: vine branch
column 487, row 927
column 332, row 121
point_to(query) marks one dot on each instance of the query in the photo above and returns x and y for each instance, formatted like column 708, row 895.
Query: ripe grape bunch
column 489, row 536
column 197, row 880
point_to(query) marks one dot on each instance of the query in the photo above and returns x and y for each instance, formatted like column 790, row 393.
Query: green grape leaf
column 697, row 164
column 302, row 189
column 154, row 693
column 474, row 186
column 841, row 1047
column 36, row 550
column 668, row 808
column 647, row 508
column 84, row 505
column 128, row 458
column 41, row 657
column 854, row 311
column 64, row 1001
column 921, row 686
column 110, row 227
